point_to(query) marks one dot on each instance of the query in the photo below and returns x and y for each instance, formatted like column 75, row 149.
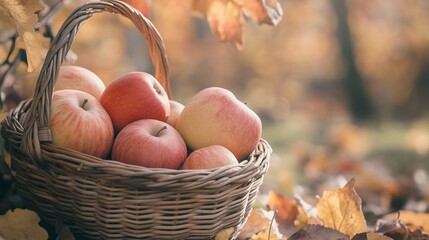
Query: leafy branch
column 26, row 20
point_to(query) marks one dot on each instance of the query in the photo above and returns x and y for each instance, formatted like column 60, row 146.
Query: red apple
column 176, row 109
column 209, row 157
column 214, row 116
column 79, row 122
column 150, row 143
column 79, row 78
column 134, row 96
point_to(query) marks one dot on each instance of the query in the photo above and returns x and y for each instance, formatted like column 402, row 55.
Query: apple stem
column 245, row 103
column 160, row 130
column 84, row 102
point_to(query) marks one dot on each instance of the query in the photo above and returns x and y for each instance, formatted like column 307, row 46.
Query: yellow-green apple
column 134, row 96
column 79, row 122
column 214, row 116
column 176, row 109
column 209, row 157
column 79, row 78
column 150, row 143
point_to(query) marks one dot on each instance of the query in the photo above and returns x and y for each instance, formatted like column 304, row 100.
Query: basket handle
column 36, row 123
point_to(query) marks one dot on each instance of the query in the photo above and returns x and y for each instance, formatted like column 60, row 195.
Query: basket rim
column 111, row 170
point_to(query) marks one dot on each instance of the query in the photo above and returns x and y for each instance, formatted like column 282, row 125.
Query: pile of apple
column 133, row 121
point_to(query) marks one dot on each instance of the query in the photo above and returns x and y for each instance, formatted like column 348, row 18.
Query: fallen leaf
column 384, row 226
column 286, row 208
column 317, row 232
column 21, row 224
column 260, row 223
column 411, row 218
column 224, row 234
column 342, row 210
column 23, row 15
column 370, row 236
column 406, row 225
column 263, row 11
column 397, row 230
column 304, row 217
column 266, row 235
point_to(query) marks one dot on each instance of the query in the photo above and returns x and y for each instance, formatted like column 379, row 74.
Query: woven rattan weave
column 105, row 199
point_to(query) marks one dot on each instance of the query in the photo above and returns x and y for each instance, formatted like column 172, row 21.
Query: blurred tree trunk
column 360, row 105
column 417, row 105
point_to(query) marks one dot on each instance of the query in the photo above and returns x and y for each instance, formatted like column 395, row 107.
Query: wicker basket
column 103, row 199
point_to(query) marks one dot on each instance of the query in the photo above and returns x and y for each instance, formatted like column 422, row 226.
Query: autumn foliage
column 332, row 176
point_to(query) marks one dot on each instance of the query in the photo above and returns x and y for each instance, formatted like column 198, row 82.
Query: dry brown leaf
column 21, row 224
column 286, row 208
column 263, row 11
column 225, row 17
column 342, row 210
column 258, row 226
column 226, row 22
column 317, row 232
column 6, row 24
column 303, row 218
column 411, row 218
column 23, row 15
column 266, row 235
column 398, row 230
column 224, row 234
column 370, row 236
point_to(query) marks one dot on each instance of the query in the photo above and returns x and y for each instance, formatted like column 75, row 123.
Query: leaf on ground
column 224, row 234
column 258, row 226
column 286, row 208
column 304, row 217
column 263, row 11
column 397, row 229
column 342, row 210
column 24, row 15
column 21, row 224
column 317, row 232
column 370, row 236
column 411, row 218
